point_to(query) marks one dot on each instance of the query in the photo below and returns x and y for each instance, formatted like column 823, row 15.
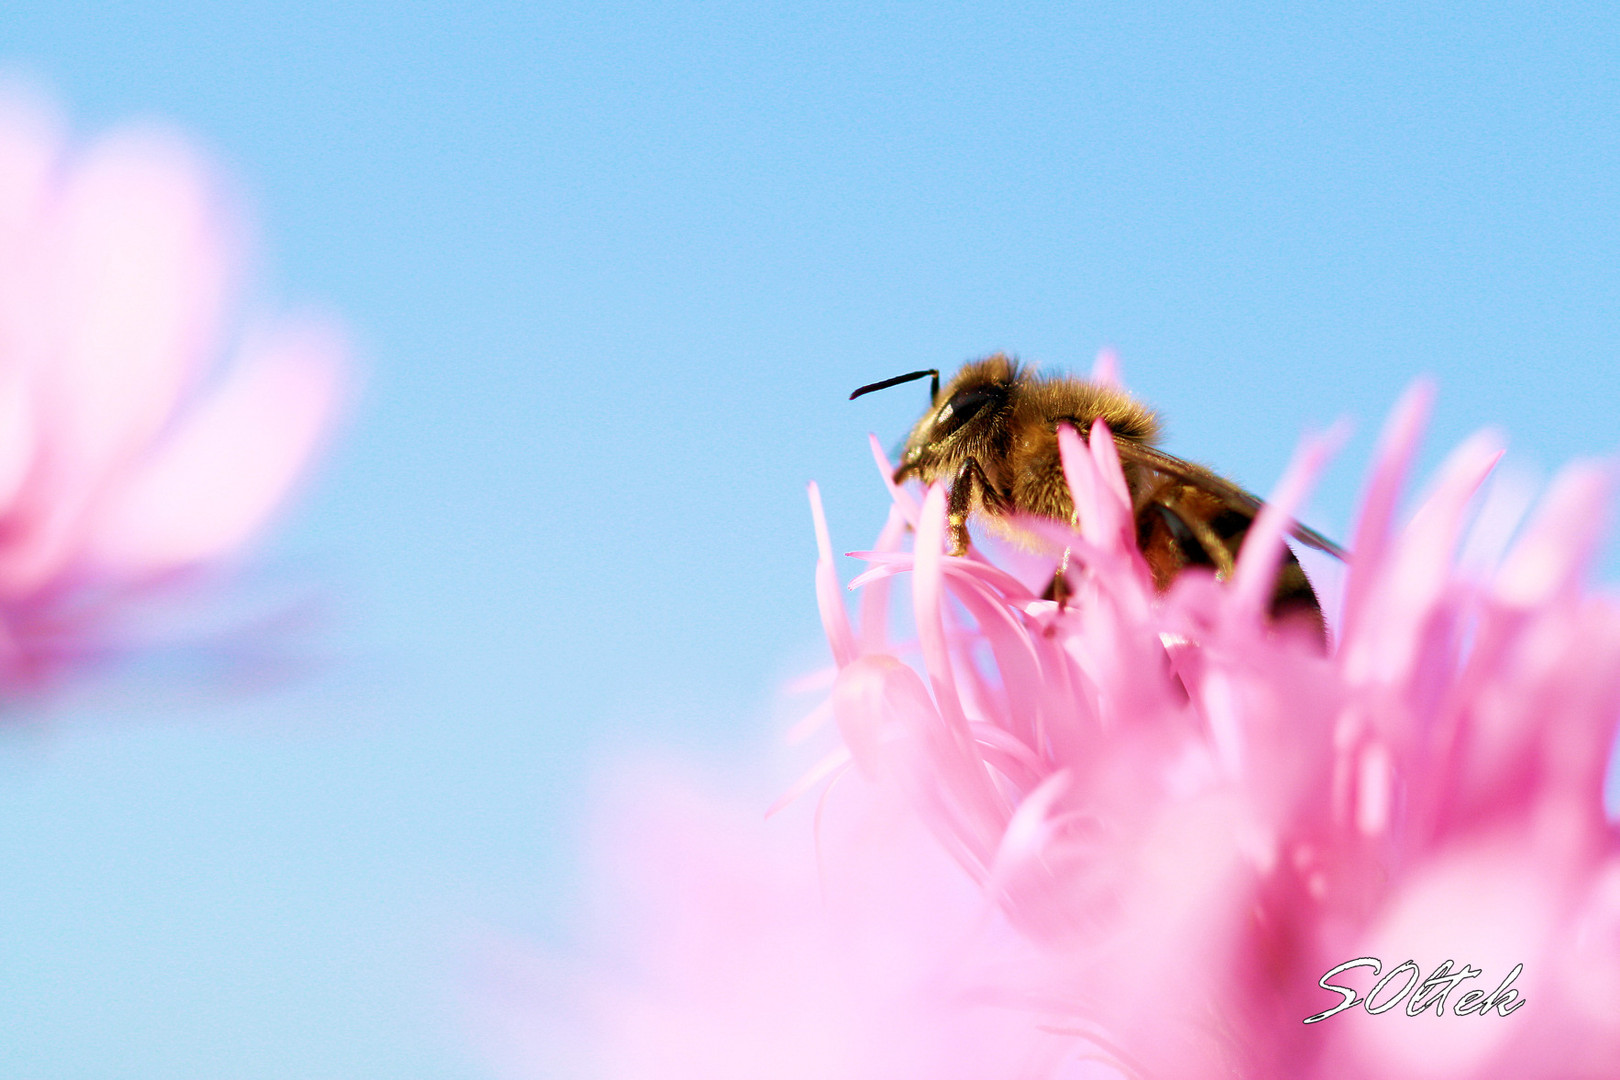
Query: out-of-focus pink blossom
column 140, row 433
column 721, row 948
column 1128, row 837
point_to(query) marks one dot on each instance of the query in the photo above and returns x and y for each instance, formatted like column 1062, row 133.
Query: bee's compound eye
column 964, row 406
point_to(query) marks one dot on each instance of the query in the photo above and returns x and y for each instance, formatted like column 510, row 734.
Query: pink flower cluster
column 1135, row 837
column 127, row 452
column 1191, row 816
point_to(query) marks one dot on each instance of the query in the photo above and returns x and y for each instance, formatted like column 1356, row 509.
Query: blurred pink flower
column 127, row 452
column 1128, row 838
column 720, row 948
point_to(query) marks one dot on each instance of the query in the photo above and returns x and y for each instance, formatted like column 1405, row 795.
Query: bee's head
column 980, row 389
column 977, row 391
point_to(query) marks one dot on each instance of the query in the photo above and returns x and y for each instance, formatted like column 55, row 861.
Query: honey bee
column 991, row 435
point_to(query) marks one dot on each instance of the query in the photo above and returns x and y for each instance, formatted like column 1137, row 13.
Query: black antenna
column 898, row 379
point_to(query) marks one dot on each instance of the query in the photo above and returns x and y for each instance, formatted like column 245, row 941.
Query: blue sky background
column 614, row 272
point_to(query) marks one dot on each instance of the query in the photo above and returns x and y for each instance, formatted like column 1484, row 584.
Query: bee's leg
column 992, row 501
column 1059, row 588
column 970, row 481
column 1219, row 554
column 958, row 504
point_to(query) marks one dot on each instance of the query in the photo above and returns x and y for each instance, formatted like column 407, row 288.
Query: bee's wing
column 1224, row 490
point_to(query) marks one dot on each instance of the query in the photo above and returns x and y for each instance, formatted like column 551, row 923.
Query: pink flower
column 1195, row 816
column 128, row 453
column 720, row 948
column 1133, row 837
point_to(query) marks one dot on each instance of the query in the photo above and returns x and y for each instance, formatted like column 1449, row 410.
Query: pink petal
column 834, row 619
column 1263, row 546
column 1560, row 543
column 146, row 275
column 1105, row 370
column 1392, row 459
column 214, row 481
